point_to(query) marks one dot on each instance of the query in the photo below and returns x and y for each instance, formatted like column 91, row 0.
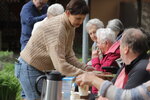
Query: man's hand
column 89, row 78
column 85, row 79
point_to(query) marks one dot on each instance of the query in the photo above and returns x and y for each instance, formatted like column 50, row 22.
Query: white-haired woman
column 117, row 26
column 91, row 27
column 53, row 10
column 105, row 42
column 110, row 52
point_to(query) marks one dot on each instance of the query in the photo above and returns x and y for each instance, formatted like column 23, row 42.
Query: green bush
column 6, row 56
column 9, row 85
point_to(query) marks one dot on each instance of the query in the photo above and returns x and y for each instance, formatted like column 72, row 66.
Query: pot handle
column 37, row 81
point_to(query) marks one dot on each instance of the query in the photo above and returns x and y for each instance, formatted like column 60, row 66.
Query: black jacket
column 137, row 73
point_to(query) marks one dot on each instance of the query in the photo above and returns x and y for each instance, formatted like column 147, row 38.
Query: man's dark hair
column 136, row 40
column 77, row 7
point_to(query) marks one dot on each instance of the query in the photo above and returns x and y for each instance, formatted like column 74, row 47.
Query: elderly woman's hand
column 95, row 53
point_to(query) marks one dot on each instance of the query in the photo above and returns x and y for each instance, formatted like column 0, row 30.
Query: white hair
column 55, row 9
column 98, row 23
column 105, row 34
column 115, row 25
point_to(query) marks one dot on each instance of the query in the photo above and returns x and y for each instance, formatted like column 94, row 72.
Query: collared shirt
column 29, row 16
column 121, row 79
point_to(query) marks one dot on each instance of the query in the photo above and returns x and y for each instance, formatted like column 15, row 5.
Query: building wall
column 128, row 14
column 10, row 25
column 104, row 9
column 145, row 18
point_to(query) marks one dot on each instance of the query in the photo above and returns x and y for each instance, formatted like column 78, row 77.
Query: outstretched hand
column 89, row 78
column 89, row 68
column 85, row 79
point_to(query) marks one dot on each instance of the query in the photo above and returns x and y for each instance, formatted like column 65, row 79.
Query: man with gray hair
column 133, row 50
column 53, row 10
column 117, row 26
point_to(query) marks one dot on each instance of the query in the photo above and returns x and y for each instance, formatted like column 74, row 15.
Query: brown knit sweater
column 50, row 47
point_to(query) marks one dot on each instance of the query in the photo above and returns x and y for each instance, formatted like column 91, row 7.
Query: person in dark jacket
column 133, row 51
column 32, row 12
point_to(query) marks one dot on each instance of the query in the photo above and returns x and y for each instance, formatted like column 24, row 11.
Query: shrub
column 9, row 85
column 6, row 56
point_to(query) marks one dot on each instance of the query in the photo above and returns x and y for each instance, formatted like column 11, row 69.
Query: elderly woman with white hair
column 53, row 10
column 91, row 27
column 117, row 26
column 105, row 43
column 110, row 52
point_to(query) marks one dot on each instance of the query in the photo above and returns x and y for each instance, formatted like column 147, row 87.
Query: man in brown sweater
column 50, row 47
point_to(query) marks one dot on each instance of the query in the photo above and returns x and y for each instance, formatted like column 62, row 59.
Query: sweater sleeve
column 72, row 59
column 70, row 56
column 113, row 93
column 57, row 52
column 28, row 17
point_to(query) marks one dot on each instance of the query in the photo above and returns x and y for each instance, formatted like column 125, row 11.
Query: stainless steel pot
column 52, row 87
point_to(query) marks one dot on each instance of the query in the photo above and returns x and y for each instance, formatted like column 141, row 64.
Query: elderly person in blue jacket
column 32, row 12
